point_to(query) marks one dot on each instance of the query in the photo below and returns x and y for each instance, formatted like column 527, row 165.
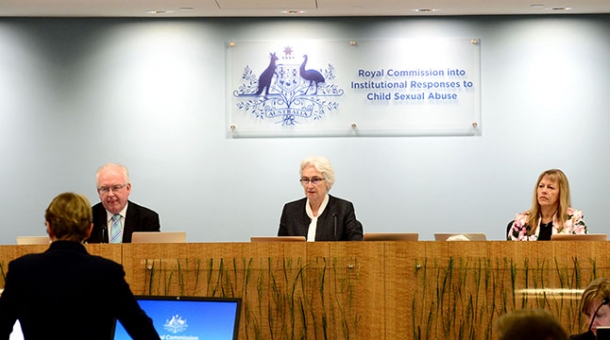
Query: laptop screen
column 186, row 317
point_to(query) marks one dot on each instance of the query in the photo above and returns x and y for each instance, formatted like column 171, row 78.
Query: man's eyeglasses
column 114, row 188
column 314, row 180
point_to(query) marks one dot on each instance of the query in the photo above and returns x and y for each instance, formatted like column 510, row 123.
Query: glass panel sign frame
column 407, row 87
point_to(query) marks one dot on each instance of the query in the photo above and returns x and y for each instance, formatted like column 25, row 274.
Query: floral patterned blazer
column 575, row 224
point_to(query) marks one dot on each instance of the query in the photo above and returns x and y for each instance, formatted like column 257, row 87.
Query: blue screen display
column 189, row 318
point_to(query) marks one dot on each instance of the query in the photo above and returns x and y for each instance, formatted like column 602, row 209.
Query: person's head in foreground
column 529, row 324
column 69, row 217
column 595, row 304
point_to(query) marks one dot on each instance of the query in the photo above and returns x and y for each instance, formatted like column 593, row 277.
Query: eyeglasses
column 314, row 180
column 114, row 188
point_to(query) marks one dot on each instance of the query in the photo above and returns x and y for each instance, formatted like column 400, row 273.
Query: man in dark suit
column 115, row 218
column 319, row 216
column 66, row 293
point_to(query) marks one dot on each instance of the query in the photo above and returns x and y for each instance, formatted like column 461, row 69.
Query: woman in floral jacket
column 550, row 213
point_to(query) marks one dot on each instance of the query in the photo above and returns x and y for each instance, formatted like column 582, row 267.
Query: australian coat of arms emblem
column 287, row 91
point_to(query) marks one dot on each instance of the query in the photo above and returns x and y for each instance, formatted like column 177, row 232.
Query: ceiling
column 278, row 8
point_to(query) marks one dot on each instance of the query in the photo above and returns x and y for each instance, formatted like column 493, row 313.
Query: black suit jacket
column 138, row 218
column 65, row 293
column 337, row 223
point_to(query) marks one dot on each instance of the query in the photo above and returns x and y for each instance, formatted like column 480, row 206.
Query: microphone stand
column 335, row 229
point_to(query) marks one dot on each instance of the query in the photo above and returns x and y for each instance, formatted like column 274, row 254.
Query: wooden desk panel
column 366, row 290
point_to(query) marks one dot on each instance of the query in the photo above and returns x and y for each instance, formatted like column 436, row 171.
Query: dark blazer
column 138, row 218
column 65, row 293
column 337, row 222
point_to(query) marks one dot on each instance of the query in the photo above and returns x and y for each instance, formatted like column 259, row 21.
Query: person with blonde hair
column 551, row 211
column 66, row 293
column 595, row 305
column 529, row 324
column 319, row 216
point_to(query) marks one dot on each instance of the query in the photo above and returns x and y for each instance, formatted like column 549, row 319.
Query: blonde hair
column 598, row 289
column 69, row 216
column 564, row 199
column 322, row 164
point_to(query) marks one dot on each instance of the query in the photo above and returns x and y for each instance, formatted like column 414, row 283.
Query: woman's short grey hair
column 322, row 164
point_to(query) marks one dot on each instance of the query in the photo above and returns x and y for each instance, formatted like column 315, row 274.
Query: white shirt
column 311, row 232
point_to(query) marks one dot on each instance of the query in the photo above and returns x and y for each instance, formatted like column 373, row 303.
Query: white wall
column 76, row 93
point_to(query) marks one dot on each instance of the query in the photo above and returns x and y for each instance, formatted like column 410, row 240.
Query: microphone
column 605, row 301
column 103, row 240
column 335, row 230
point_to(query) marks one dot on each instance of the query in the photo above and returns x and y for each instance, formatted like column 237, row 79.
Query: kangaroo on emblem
column 264, row 81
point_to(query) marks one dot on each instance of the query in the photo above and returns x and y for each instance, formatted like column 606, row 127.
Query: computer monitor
column 22, row 240
column 579, row 237
column 391, row 236
column 460, row 237
column 278, row 239
column 186, row 317
column 158, row 237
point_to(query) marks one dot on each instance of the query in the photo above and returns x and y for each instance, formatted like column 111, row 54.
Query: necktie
column 116, row 229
